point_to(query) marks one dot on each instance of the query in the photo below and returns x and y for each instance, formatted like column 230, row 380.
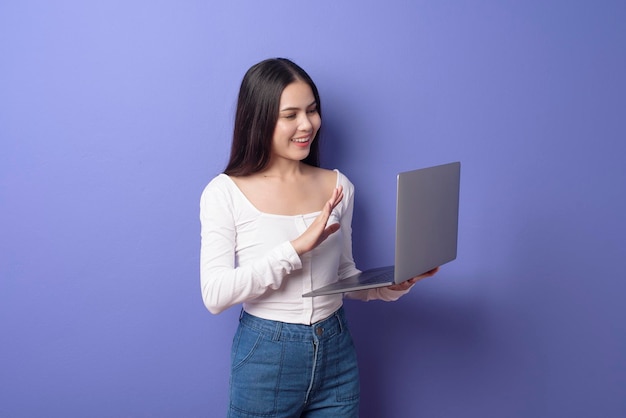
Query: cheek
column 281, row 130
column 317, row 123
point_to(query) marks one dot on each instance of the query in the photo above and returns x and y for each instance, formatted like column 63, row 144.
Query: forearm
column 224, row 285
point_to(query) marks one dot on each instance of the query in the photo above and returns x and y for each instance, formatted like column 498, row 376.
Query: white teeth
column 300, row 140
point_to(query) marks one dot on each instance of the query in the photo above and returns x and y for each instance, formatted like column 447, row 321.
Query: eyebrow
column 313, row 103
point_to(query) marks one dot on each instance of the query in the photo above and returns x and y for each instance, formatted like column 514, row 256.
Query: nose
column 305, row 123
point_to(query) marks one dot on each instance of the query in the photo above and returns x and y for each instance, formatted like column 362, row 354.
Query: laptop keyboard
column 382, row 277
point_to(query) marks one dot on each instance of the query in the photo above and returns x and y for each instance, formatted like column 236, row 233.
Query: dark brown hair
column 257, row 112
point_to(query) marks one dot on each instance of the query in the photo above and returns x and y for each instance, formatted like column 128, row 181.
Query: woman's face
column 297, row 124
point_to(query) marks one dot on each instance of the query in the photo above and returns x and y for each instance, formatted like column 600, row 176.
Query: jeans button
column 319, row 331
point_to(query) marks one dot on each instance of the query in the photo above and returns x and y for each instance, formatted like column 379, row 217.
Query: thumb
column 330, row 229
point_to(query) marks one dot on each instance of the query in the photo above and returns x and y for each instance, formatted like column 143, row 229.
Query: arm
column 223, row 284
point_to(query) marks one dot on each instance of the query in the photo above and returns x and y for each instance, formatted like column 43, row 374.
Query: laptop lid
column 427, row 207
column 427, row 213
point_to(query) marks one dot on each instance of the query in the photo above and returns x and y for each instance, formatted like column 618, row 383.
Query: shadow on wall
column 417, row 348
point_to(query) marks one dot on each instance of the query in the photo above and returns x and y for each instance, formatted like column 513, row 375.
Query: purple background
column 115, row 114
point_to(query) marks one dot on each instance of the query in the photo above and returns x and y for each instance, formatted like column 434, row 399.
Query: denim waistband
column 283, row 331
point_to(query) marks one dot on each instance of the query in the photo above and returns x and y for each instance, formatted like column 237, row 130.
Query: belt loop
column 338, row 316
column 241, row 314
column 277, row 331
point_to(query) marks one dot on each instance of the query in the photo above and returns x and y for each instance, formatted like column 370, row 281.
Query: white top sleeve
column 223, row 285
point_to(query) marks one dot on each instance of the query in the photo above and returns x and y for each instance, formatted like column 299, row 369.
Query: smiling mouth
column 300, row 140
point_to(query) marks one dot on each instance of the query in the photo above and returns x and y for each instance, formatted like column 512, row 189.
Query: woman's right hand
column 317, row 232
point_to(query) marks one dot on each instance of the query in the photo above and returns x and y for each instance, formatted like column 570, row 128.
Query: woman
column 275, row 225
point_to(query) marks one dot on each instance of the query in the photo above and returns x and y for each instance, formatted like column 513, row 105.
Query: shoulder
column 219, row 182
column 219, row 188
column 343, row 180
column 334, row 177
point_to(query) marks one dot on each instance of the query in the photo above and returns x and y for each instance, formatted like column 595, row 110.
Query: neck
column 284, row 169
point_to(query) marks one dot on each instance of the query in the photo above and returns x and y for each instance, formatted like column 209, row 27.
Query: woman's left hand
column 407, row 285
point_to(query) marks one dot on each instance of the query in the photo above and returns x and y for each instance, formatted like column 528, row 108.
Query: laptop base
column 369, row 279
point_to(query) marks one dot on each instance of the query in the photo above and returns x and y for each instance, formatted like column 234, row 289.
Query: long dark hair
column 257, row 112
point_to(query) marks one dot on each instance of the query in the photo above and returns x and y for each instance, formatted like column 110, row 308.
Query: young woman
column 274, row 226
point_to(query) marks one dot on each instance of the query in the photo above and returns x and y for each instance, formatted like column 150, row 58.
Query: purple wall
column 114, row 115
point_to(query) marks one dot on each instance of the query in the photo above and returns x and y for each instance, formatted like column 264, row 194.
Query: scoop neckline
column 260, row 212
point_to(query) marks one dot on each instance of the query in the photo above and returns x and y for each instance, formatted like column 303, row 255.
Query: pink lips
column 302, row 144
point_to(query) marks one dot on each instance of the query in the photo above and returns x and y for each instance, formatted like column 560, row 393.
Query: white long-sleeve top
column 246, row 257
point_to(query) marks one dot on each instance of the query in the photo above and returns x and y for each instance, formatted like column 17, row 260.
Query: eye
column 290, row 116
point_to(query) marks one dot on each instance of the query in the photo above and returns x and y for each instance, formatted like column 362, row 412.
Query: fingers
column 318, row 231
column 334, row 200
column 431, row 272
column 331, row 229
column 336, row 196
column 402, row 286
column 408, row 283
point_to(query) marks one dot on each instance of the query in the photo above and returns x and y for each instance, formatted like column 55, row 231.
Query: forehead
column 297, row 94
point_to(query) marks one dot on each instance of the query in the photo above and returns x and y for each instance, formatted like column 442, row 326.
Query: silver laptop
column 427, row 214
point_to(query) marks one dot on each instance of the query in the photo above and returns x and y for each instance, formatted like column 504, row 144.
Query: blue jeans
column 289, row 370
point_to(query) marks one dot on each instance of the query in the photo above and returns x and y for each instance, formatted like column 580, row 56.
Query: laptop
column 427, row 213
